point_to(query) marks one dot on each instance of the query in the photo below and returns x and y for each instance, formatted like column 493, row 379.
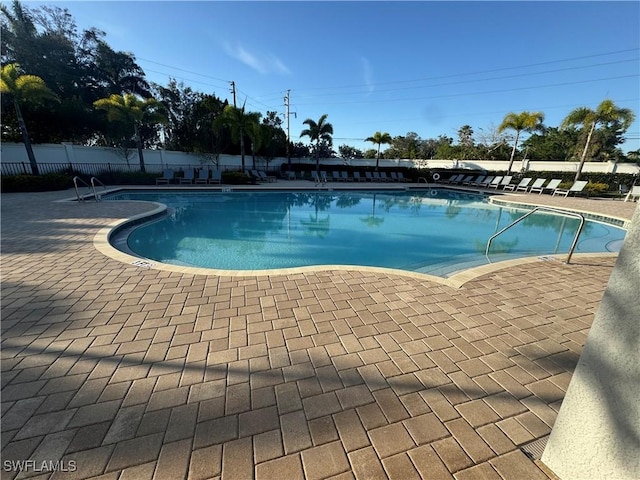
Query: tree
column 606, row 114
column 23, row 89
column 379, row 138
column 255, row 134
column 348, row 152
column 318, row 132
column 520, row 122
column 131, row 111
column 239, row 122
column 551, row 144
column 465, row 136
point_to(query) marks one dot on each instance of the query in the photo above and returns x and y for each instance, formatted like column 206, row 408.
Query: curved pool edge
column 102, row 242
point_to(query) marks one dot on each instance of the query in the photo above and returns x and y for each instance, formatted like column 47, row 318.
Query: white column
column 597, row 432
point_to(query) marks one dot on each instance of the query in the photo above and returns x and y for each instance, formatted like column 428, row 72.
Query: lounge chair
column 552, row 185
column 503, row 183
column 368, row 176
column 537, row 185
column 522, row 185
column 479, row 181
column 189, row 177
column 394, row 176
column 454, row 178
column 465, row 181
column 357, row 177
column 322, row 178
column 216, row 176
column 494, row 182
column 384, row 178
column 203, row 176
column 345, row 177
column 634, row 194
column 577, row 187
column 166, row 178
column 267, row 178
column 401, row 177
column 291, row 175
column 376, row 176
column 335, row 175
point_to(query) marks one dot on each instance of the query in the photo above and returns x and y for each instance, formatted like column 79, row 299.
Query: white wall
column 157, row 160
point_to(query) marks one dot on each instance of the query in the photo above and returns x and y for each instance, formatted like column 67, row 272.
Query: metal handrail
column 75, row 185
column 93, row 185
column 555, row 210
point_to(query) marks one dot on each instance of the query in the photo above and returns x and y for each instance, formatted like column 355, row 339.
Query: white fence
column 158, row 160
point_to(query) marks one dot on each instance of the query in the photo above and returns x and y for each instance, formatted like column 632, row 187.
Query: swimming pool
column 431, row 231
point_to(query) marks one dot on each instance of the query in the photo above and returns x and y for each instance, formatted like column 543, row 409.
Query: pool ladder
column 536, row 209
column 92, row 187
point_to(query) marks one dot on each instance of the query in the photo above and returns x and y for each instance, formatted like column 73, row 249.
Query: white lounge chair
column 537, row 185
column 472, row 180
column 522, row 185
column 203, row 176
column 577, row 187
column 454, row 178
column 552, row 185
column 189, row 177
column 166, row 178
column 216, row 176
column 485, row 183
column 634, row 194
column 478, row 180
column 495, row 182
column 503, row 183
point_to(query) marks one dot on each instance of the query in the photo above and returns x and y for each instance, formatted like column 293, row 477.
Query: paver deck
column 121, row 372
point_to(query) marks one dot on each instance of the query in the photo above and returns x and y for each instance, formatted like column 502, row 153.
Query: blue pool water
column 435, row 231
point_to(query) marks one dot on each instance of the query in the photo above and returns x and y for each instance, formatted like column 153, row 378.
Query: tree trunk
column 242, row 147
column 25, row 138
column 139, row 146
column 584, row 152
column 513, row 152
column 378, row 158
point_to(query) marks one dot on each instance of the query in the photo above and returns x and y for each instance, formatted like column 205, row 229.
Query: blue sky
column 396, row 67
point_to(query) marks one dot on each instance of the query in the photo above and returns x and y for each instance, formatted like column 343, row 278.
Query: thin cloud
column 367, row 75
column 264, row 64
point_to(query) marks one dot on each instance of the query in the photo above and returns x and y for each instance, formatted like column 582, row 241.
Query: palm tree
column 239, row 122
column 379, row 139
column 521, row 122
column 254, row 132
column 23, row 89
column 131, row 110
column 607, row 113
column 318, row 132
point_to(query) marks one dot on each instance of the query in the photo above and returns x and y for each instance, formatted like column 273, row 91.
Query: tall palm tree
column 379, row 139
column 23, row 89
column 520, row 122
column 254, row 132
column 239, row 121
column 318, row 132
column 606, row 113
column 131, row 110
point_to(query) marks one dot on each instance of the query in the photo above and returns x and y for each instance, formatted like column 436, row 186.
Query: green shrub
column 36, row 183
column 127, row 178
column 235, row 178
column 595, row 189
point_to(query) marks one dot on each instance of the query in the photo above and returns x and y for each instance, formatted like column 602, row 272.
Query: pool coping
column 102, row 242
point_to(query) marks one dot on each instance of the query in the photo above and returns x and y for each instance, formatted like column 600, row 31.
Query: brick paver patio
column 122, row 372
